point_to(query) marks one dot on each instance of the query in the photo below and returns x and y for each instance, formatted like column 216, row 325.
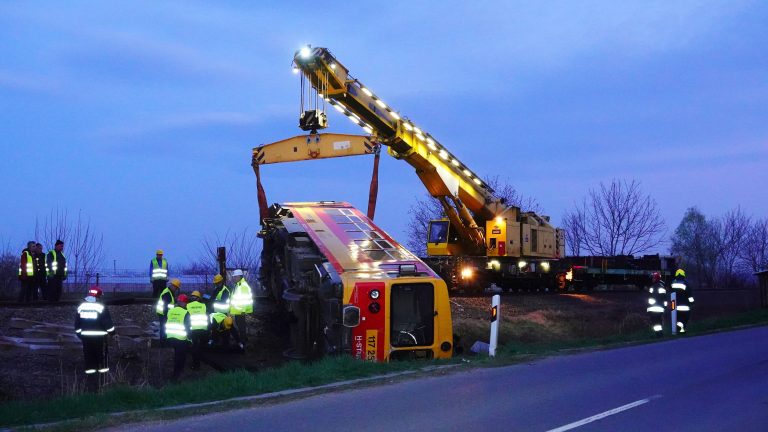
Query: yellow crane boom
column 485, row 225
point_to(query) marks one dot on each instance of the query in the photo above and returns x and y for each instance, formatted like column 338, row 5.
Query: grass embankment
column 92, row 408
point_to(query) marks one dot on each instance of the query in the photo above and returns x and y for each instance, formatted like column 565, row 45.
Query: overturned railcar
column 348, row 288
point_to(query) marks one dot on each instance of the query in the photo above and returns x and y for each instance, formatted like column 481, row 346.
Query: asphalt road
column 710, row 383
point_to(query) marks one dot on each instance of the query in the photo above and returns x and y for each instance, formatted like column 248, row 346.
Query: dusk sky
column 143, row 114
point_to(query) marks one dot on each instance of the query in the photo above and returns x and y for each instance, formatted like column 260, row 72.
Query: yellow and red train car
column 347, row 287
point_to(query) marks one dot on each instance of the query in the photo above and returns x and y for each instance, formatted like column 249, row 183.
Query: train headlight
column 374, row 294
column 467, row 273
column 374, row 307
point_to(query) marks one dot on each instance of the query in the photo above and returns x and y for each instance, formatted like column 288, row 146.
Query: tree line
column 619, row 218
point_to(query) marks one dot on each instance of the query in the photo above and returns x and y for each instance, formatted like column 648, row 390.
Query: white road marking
column 605, row 414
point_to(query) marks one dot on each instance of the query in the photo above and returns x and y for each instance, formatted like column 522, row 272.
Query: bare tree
column 696, row 242
column 616, row 219
column 573, row 226
column 754, row 254
column 243, row 251
column 429, row 208
column 732, row 230
column 83, row 246
column 9, row 268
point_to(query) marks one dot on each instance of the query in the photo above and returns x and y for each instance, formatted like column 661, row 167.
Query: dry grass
column 549, row 319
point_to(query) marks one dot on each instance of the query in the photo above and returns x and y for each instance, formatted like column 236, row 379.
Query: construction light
column 368, row 129
column 443, row 154
column 366, row 91
column 408, row 126
column 305, row 52
column 455, row 162
column 417, row 130
column 295, row 70
column 431, row 144
column 499, row 220
column 333, row 65
column 476, row 180
column 466, row 172
column 339, row 108
column 380, row 103
column 394, row 115
column 420, row 136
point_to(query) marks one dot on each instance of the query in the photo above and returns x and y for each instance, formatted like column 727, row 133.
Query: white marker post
column 673, row 313
column 495, row 306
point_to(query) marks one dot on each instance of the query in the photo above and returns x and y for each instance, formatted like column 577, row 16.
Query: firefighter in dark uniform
column 657, row 300
column 92, row 324
column 683, row 300
column 41, row 286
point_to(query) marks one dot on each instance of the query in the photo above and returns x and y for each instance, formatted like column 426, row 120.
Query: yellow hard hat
column 176, row 283
column 217, row 279
column 227, row 322
column 159, row 252
column 680, row 272
column 196, row 294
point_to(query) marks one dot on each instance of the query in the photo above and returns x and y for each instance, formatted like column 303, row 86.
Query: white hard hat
column 237, row 272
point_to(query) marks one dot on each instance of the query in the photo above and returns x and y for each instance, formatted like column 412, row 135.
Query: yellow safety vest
column 198, row 315
column 30, row 270
column 160, row 308
column 159, row 270
column 242, row 299
column 174, row 327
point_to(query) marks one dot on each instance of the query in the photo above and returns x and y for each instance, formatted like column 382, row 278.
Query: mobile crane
column 481, row 241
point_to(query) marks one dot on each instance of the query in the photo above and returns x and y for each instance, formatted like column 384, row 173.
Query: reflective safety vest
column 93, row 320
column 198, row 315
column 221, row 304
column 29, row 269
column 159, row 270
column 242, row 299
column 684, row 296
column 160, row 308
column 54, row 267
column 175, row 327
column 657, row 299
column 216, row 319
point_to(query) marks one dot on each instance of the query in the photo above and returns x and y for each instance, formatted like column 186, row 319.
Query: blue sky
column 143, row 114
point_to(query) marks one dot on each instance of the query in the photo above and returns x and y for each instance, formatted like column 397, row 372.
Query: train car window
column 412, row 315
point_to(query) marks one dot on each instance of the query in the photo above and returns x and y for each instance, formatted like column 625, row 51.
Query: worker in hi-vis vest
column 166, row 302
column 198, row 318
column 158, row 273
column 241, row 302
column 178, row 328
column 221, row 295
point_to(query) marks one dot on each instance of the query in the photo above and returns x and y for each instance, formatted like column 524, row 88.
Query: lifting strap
column 373, row 192
column 262, row 197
